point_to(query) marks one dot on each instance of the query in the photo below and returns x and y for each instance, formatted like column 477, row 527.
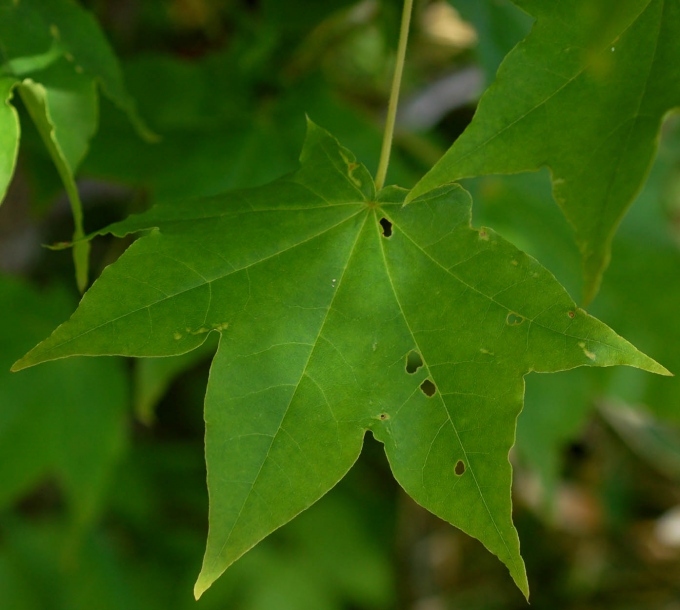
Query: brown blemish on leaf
column 351, row 167
column 514, row 319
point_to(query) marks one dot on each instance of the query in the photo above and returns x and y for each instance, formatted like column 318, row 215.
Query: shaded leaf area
column 66, row 420
column 218, row 131
column 9, row 133
column 637, row 297
column 615, row 59
column 37, row 35
column 143, row 556
column 153, row 376
column 320, row 289
column 54, row 55
column 57, row 51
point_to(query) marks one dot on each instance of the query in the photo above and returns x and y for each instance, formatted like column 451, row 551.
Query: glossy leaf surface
column 584, row 94
column 342, row 310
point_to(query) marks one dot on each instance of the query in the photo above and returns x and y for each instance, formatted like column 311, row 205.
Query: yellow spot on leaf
column 590, row 355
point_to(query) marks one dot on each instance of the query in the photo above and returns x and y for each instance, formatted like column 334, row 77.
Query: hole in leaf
column 460, row 467
column 428, row 388
column 413, row 362
column 387, row 227
column 384, row 416
column 514, row 319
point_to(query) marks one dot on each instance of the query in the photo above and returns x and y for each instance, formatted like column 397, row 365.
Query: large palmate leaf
column 342, row 310
column 583, row 94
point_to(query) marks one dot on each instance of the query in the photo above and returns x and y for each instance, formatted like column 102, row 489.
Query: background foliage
column 102, row 482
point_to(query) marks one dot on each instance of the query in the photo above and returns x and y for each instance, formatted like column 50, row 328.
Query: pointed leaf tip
column 200, row 588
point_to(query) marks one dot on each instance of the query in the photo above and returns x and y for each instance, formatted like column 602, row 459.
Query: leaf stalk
column 394, row 96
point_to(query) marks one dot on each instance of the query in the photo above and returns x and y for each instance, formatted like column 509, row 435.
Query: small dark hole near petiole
column 460, row 467
column 428, row 388
column 413, row 362
column 386, row 227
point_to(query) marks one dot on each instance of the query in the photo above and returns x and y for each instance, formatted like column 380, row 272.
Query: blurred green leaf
column 65, row 420
column 654, row 441
column 9, row 133
column 57, row 54
column 500, row 25
column 153, row 376
column 218, row 132
column 34, row 33
column 66, row 119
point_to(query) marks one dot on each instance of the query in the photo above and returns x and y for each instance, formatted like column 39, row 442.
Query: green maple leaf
column 342, row 310
column 583, row 94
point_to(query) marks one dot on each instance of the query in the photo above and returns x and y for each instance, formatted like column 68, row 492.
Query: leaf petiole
column 394, row 96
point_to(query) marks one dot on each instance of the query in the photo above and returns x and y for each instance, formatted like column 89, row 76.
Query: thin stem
column 394, row 96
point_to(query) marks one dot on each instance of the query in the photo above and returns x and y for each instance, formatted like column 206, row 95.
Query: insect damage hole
column 386, row 227
column 413, row 362
column 514, row 319
column 428, row 388
column 460, row 468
